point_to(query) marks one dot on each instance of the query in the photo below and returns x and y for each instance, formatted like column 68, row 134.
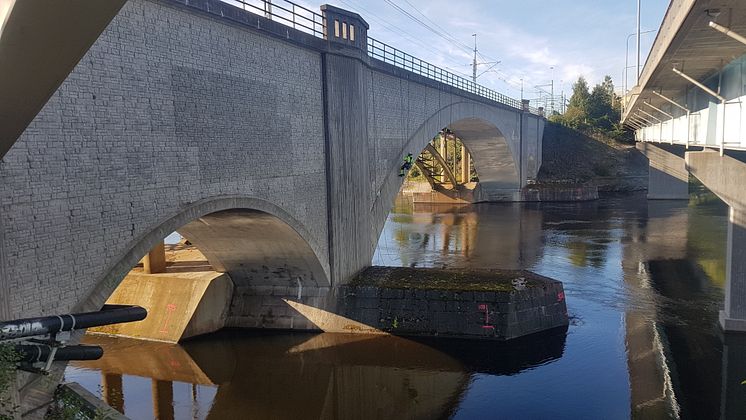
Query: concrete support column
column 465, row 165
column 113, row 391
column 733, row 405
column 155, row 260
column 733, row 316
column 668, row 178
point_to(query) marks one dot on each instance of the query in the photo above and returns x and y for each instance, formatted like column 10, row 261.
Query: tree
column 577, row 110
column 600, row 112
column 608, row 86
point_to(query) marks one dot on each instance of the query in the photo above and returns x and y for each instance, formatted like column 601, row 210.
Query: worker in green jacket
column 408, row 162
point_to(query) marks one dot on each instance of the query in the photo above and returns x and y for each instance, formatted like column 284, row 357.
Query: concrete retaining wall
column 559, row 193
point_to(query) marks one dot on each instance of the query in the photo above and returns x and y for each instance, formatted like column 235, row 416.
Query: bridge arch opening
column 443, row 172
column 469, row 160
column 483, row 165
column 235, row 255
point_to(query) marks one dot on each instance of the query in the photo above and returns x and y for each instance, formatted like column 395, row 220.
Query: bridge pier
column 733, row 316
column 724, row 176
column 155, row 260
column 668, row 178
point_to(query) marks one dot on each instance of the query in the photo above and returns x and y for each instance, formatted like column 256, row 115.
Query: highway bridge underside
column 670, row 166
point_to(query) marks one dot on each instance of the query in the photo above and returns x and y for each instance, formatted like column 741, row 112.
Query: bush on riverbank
column 8, row 362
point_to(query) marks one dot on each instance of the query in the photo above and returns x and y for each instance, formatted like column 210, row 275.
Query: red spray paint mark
column 170, row 308
column 560, row 296
column 485, row 308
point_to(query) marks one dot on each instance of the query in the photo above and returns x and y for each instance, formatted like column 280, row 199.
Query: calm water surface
column 644, row 283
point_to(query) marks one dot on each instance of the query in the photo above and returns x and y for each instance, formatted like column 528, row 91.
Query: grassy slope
column 572, row 157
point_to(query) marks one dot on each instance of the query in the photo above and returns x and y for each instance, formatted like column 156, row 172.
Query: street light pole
column 638, row 41
column 626, row 57
column 552, row 91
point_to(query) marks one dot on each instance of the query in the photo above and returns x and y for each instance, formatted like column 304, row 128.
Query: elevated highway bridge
column 688, row 114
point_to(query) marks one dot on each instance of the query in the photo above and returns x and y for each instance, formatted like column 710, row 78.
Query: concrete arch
column 491, row 134
column 261, row 235
column 491, row 153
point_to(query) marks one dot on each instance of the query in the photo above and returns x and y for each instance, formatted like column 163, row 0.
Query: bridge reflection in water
column 644, row 281
column 321, row 376
column 644, row 284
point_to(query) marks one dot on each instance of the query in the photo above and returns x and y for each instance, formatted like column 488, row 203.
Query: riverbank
column 571, row 158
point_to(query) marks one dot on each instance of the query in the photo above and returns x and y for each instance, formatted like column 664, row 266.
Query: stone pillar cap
column 337, row 10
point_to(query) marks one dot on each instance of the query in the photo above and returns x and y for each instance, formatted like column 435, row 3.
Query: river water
column 644, row 282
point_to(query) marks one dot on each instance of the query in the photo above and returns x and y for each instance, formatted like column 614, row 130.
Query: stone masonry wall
column 170, row 107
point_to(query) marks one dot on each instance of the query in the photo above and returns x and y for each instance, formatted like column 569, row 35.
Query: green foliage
column 580, row 95
column 9, row 358
column 597, row 111
column 66, row 405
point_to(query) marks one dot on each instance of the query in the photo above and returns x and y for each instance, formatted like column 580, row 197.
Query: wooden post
column 155, row 260
column 163, row 400
column 465, row 165
column 112, row 391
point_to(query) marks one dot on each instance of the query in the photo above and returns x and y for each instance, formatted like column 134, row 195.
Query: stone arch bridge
column 274, row 150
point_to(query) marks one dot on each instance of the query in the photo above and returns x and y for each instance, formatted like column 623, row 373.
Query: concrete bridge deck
column 686, row 108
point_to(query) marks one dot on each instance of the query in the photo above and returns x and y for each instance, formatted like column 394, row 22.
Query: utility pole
column 521, row 89
column 474, row 64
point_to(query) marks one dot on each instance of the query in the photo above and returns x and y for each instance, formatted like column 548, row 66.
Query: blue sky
column 576, row 37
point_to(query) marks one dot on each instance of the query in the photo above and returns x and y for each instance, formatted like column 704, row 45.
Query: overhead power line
column 455, row 42
column 406, row 34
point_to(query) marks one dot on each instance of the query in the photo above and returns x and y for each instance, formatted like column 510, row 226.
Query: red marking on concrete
column 170, row 308
column 485, row 308
column 560, row 296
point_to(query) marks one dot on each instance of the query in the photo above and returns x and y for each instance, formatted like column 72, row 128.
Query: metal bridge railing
column 285, row 12
column 398, row 58
column 313, row 23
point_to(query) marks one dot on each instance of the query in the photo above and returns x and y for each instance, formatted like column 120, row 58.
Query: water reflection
column 315, row 376
column 459, row 236
column 658, row 265
column 643, row 282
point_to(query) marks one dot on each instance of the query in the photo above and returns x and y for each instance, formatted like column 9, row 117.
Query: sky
column 528, row 37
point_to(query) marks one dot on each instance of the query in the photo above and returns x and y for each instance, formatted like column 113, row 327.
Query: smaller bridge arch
column 492, row 136
column 253, row 240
